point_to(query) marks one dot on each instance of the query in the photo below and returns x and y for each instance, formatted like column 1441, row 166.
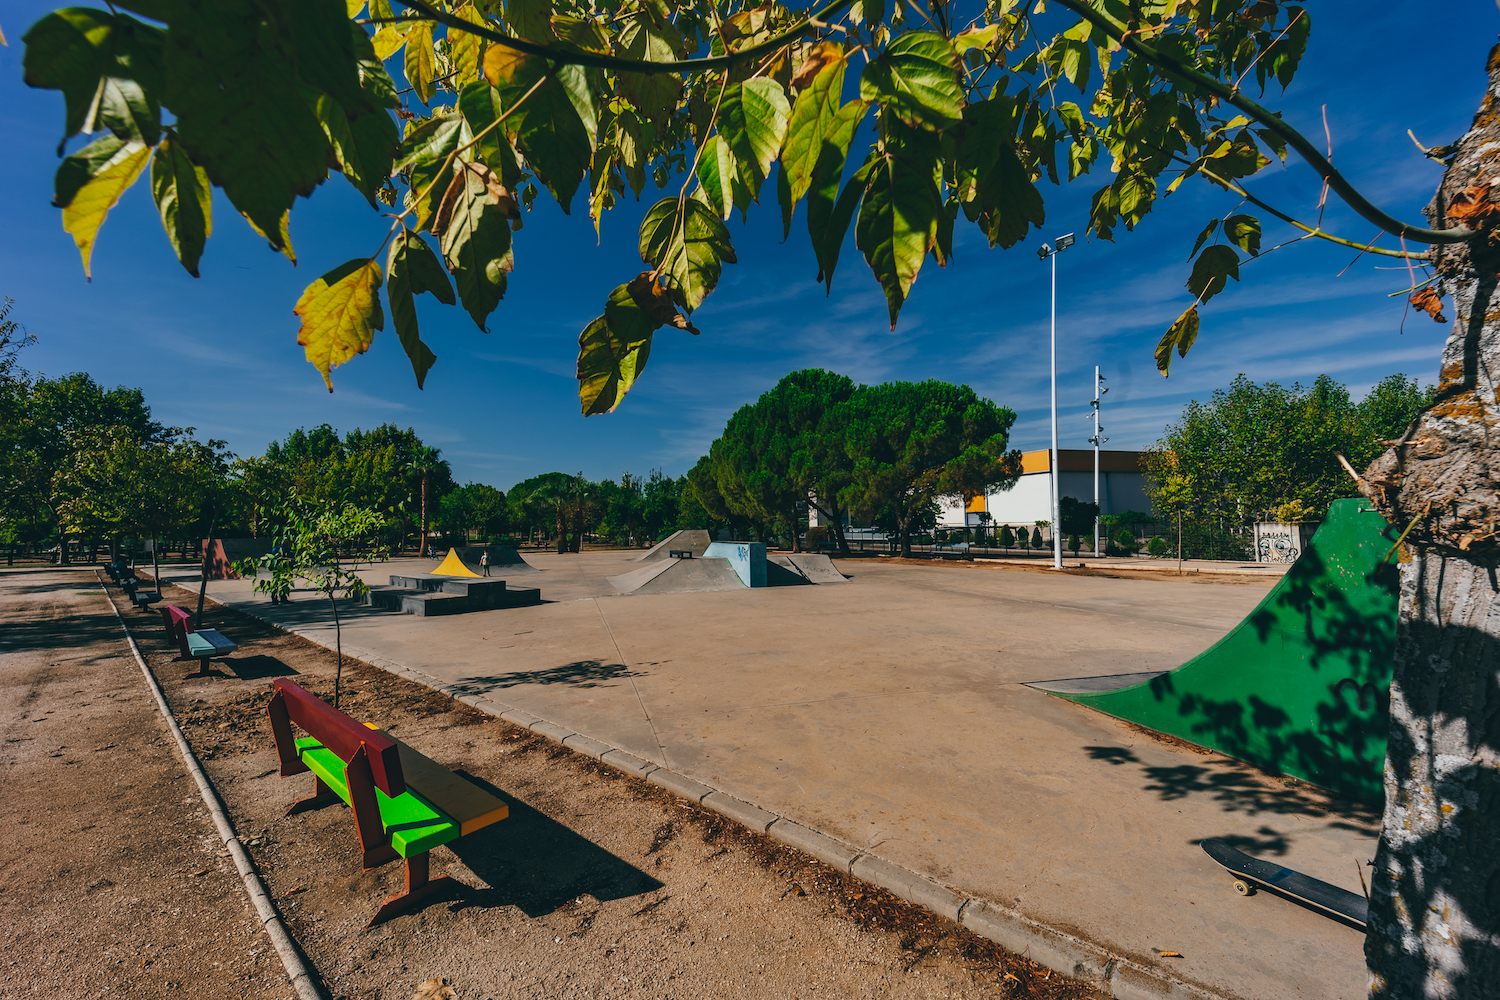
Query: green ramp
column 1302, row 685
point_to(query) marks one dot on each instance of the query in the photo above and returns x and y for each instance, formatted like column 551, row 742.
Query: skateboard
column 1253, row 873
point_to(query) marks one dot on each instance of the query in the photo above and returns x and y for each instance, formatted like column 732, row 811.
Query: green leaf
column 419, row 61
column 898, row 216
column 584, row 33
column 411, row 269
column 480, row 104
column 992, row 186
column 425, row 154
column 815, row 120
column 97, row 176
column 690, row 248
column 1244, row 232
column 648, row 37
column 828, row 219
column 474, row 233
column 557, row 124
column 1180, row 335
column 318, row 38
column 185, row 201
column 976, row 38
column 916, row 78
column 466, row 50
column 108, row 67
column 612, row 352
column 530, row 19
column 340, row 313
column 716, row 170
column 1211, row 271
column 635, row 149
column 240, row 113
column 1208, row 231
column 363, row 148
column 753, row 121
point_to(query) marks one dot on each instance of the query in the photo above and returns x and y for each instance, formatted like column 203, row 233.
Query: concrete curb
column 302, row 976
column 1113, row 975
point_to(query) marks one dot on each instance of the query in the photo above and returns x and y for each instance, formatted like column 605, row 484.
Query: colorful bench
column 404, row 803
column 196, row 644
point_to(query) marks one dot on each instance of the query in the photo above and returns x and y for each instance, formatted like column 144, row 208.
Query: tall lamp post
column 1044, row 251
column 1097, row 440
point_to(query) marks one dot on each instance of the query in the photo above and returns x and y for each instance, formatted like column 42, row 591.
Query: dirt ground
column 597, row 885
column 113, row 881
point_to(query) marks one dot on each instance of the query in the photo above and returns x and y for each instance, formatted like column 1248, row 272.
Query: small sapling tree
column 308, row 539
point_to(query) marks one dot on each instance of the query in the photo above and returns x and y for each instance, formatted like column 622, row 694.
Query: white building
column 1122, row 487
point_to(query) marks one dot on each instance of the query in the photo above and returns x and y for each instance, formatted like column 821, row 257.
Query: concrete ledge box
column 743, row 813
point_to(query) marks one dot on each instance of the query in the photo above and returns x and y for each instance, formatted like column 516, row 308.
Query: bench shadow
column 536, row 864
column 251, row 668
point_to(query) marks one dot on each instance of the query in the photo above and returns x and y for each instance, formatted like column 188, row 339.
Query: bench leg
column 204, row 663
column 322, row 796
column 419, row 889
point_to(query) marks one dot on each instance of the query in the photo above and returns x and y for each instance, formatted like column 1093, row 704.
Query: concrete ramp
column 1302, row 685
column 678, row 576
column 813, row 567
column 782, row 572
column 501, row 557
column 694, row 540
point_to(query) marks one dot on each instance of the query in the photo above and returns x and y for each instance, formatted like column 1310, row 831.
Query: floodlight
column 1043, row 251
column 1063, row 242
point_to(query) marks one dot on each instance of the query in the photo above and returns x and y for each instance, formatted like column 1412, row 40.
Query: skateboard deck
column 1254, row 873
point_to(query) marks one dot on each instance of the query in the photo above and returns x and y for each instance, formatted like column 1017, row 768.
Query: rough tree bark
column 1435, row 893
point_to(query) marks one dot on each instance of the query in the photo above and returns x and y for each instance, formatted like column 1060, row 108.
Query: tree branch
column 581, row 57
column 1309, row 230
column 1291, row 136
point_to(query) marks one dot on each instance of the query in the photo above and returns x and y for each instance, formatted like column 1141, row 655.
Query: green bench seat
column 413, row 824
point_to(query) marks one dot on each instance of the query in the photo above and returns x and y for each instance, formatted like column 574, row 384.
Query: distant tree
column 424, row 462
column 1126, row 541
column 1007, row 537
column 1253, row 448
column 911, row 442
column 1037, row 541
column 1073, row 543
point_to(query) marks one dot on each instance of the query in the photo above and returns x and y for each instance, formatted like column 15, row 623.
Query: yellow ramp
column 453, row 566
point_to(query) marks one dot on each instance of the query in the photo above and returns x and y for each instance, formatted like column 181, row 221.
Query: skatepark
column 893, row 713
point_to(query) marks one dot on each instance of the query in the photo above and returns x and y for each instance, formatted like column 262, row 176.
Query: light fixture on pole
column 1097, row 440
column 1043, row 252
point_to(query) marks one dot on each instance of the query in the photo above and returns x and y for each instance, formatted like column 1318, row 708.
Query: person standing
column 484, row 561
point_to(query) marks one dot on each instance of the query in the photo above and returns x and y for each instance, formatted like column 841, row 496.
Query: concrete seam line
column 1040, row 933
column 302, row 977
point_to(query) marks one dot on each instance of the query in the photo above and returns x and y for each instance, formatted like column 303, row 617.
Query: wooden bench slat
column 342, row 734
column 414, row 824
column 470, row 806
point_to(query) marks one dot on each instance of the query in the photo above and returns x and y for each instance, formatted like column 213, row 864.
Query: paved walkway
column 890, row 713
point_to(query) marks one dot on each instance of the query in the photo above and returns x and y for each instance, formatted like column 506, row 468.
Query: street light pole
column 1045, row 251
column 1097, row 441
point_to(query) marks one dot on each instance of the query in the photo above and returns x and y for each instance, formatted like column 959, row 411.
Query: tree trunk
column 155, row 565
column 1435, row 891
column 422, row 545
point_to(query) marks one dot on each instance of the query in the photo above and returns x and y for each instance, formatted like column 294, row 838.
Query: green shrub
column 817, row 536
column 1007, row 537
column 1036, row 538
column 1073, row 543
column 1126, row 541
column 1157, row 547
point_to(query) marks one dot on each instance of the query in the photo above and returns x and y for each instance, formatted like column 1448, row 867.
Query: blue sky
column 219, row 353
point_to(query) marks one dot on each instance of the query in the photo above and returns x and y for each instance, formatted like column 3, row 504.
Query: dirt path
column 113, row 881
column 598, row 885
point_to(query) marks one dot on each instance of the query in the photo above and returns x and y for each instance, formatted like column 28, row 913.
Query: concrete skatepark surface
column 891, row 714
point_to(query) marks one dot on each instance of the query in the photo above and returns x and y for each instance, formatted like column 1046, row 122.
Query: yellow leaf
column 85, row 213
column 388, row 41
column 354, row 7
column 340, row 314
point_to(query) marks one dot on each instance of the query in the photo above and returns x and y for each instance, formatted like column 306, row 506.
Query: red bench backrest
column 341, row 734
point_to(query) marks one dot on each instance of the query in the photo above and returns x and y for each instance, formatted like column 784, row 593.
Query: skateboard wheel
column 1243, row 888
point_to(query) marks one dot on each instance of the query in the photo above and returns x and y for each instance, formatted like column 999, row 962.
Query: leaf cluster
column 261, row 98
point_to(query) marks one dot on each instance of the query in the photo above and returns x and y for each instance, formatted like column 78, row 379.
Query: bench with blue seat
column 201, row 644
column 404, row 803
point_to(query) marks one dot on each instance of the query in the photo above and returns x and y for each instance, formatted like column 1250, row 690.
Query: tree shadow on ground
column 579, row 674
column 257, row 667
column 53, row 633
column 536, row 864
column 1236, row 787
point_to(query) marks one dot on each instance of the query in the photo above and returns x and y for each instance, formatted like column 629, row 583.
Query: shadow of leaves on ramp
column 580, row 674
column 536, row 864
